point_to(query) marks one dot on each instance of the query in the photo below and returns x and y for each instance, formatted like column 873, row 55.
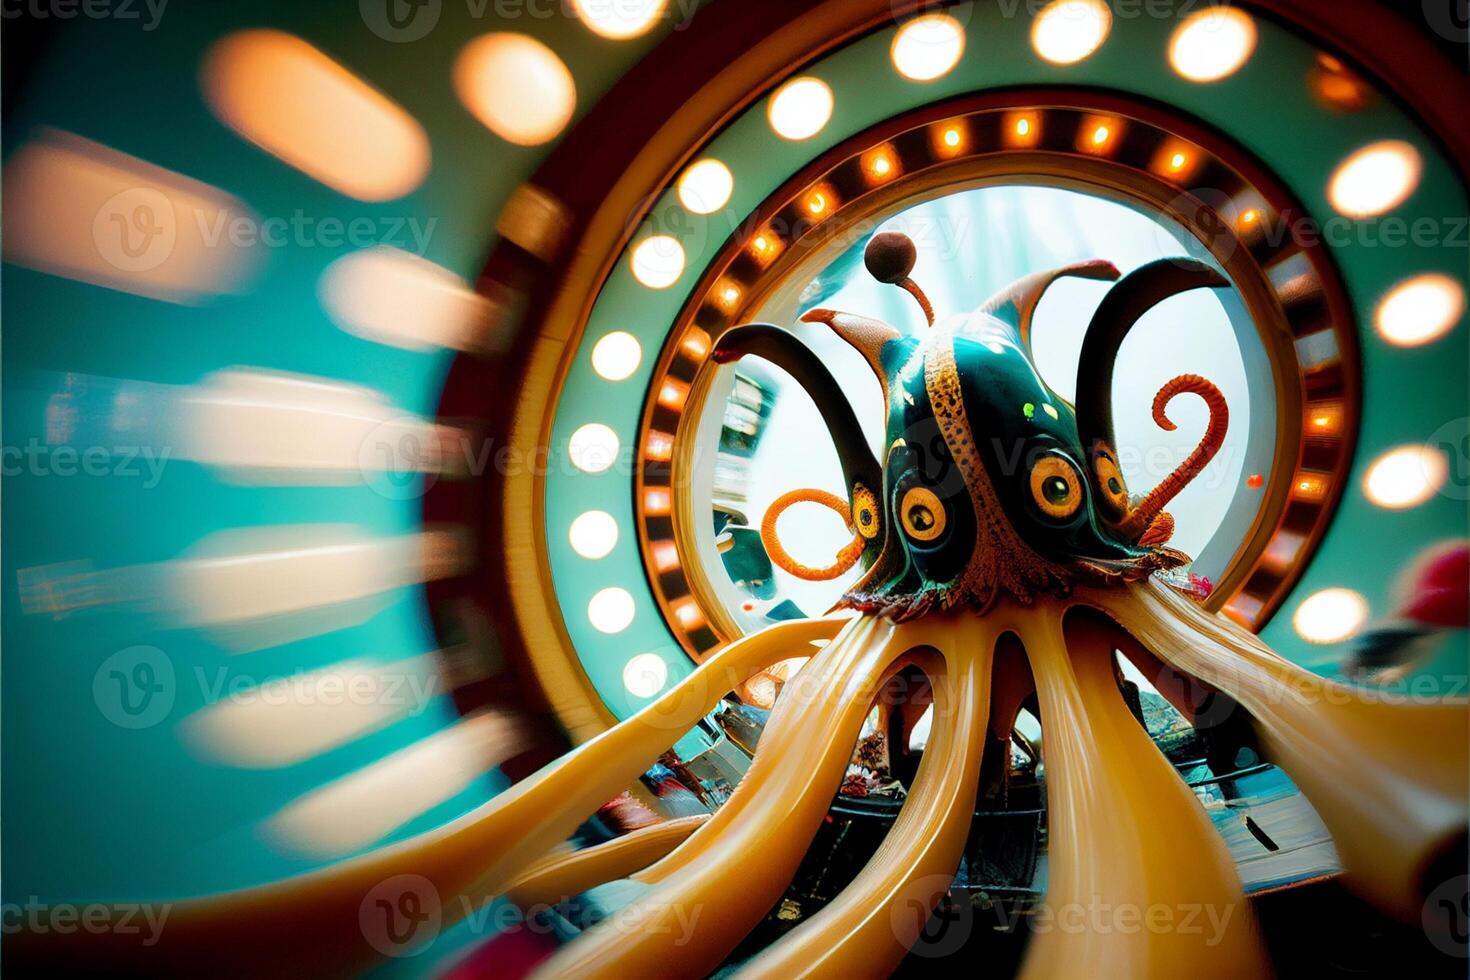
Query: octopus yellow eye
column 865, row 513
column 922, row 514
column 1113, row 491
column 1055, row 487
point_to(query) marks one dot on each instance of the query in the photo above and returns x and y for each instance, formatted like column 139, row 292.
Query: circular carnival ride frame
column 1253, row 189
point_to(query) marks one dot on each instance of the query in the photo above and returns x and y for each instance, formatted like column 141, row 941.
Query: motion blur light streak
column 77, row 209
column 292, row 719
column 367, row 805
column 266, row 427
column 260, row 586
column 299, row 105
column 516, row 86
column 393, row 297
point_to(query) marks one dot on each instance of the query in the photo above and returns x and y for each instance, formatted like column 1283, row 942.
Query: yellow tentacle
column 694, row 916
column 870, row 926
column 762, row 786
column 313, row 924
column 1388, row 778
column 558, row 877
column 1139, row 883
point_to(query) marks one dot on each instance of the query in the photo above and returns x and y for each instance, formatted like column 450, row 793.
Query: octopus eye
column 1110, row 480
column 865, row 513
column 1055, row 487
column 922, row 514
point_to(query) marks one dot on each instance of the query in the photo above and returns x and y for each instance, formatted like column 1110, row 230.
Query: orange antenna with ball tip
column 890, row 257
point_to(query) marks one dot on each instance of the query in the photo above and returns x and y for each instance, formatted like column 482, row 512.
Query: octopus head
column 990, row 483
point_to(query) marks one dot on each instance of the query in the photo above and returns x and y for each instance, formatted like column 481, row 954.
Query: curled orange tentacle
column 846, row 558
column 1141, row 517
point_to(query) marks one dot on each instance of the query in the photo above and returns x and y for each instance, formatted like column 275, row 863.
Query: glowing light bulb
column 1067, row 31
column 593, row 448
column 617, row 355
column 1330, row 616
column 619, row 20
column 658, row 261
column 645, row 675
column 706, row 186
column 1375, row 179
column 1405, row 477
column 611, row 610
column 1212, row 44
column 516, row 86
column 593, row 534
column 928, row 47
column 800, row 108
column 1420, row 310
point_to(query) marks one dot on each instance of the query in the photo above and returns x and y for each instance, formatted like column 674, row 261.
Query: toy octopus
column 1004, row 556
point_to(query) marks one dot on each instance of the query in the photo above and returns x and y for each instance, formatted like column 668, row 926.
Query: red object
column 1255, row 481
column 511, row 954
column 1436, row 589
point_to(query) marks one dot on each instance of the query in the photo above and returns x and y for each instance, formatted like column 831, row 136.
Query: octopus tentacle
column 692, row 913
column 846, row 558
column 558, row 876
column 1132, row 851
column 1389, row 779
column 761, row 785
column 868, row 928
column 313, row 923
column 1140, row 520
